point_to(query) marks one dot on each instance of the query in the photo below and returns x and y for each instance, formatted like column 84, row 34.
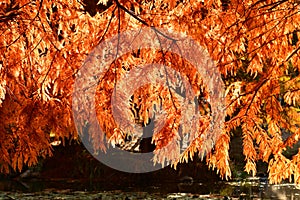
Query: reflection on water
column 258, row 188
column 251, row 188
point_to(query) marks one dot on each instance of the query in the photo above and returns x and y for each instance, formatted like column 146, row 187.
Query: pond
column 187, row 188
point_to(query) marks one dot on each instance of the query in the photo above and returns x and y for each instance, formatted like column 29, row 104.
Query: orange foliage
column 255, row 46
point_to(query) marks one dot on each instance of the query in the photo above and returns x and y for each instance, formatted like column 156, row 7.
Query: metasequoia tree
column 254, row 44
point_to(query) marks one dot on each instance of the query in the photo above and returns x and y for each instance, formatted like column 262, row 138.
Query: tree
column 255, row 46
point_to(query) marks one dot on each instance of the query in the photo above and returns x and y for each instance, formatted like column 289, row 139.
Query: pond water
column 251, row 188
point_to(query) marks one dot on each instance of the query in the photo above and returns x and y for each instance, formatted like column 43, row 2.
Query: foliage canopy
column 255, row 46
